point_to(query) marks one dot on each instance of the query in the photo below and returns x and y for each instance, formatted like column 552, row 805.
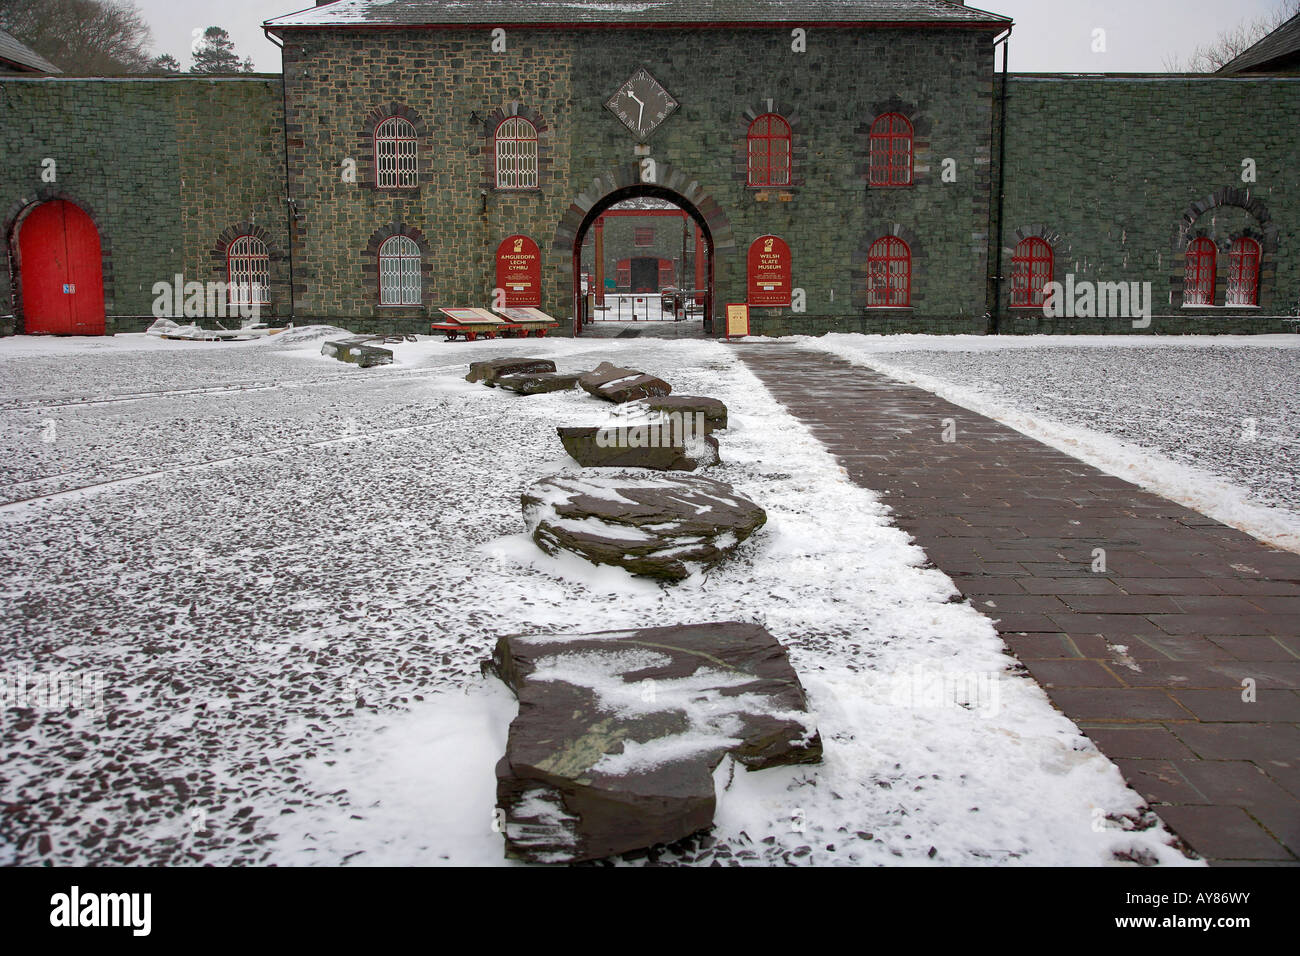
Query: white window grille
column 399, row 272
column 248, row 272
column 516, row 149
column 396, row 166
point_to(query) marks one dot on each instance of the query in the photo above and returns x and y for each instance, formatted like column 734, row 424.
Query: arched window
column 1031, row 271
column 396, row 146
column 399, row 271
column 769, row 151
column 889, row 273
column 1198, row 279
column 516, row 149
column 1243, row 273
column 891, row 151
column 248, row 272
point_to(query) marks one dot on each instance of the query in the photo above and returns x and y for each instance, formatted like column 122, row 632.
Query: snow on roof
column 23, row 56
column 408, row 13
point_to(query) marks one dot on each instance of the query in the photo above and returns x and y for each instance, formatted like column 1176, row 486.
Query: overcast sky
column 1050, row 35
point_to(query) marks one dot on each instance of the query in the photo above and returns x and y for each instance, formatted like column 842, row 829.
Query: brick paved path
column 1148, row 656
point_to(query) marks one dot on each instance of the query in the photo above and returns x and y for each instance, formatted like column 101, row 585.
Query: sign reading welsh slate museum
column 769, row 272
column 519, row 272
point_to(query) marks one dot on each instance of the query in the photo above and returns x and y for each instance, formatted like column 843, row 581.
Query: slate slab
column 537, row 383
column 619, row 385
column 489, row 370
column 357, row 351
column 713, row 410
column 653, row 524
column 660, row 446
column 619, row 732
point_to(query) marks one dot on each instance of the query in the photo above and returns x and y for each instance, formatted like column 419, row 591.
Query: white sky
column 1050, row 35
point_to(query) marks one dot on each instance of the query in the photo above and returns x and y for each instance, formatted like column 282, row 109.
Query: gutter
column 289, row 207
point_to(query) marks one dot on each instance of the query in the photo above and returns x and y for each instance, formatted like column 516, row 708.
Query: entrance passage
column 61, row 271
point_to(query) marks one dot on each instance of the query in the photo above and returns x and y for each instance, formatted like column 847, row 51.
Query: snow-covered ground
column 1212, row 422
column 283, row 572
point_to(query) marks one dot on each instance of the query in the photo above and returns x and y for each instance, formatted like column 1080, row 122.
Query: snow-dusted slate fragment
column 620, row 385
column 490, row 370
column 619, row 732
column 358, row 350
column 682, row 522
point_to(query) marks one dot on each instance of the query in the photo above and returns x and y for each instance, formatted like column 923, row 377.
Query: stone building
column 847, row 165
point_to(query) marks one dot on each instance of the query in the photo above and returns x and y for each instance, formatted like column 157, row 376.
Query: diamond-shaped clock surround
column 642, row 104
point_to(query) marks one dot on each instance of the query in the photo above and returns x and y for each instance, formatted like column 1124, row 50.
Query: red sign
column 769, row 272
column 519, row 272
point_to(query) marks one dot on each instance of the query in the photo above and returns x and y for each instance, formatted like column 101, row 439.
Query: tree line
column 108, row 38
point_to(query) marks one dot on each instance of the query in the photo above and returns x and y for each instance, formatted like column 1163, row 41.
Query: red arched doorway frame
column 638, row 191
column 60, row 270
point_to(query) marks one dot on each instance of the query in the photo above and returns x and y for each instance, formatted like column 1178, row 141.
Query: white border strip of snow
column 1186, row 485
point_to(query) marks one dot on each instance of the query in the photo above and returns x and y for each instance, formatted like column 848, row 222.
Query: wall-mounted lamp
column 474, row 117
column 482, row 193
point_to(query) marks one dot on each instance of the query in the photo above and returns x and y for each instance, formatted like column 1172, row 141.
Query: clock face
column 641, row 103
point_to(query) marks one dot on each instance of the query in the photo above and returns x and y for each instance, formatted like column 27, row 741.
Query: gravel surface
column 276, row 577
column 1232, row 411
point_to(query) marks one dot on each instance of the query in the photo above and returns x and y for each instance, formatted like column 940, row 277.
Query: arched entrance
column 623, row 183
column 61, row 271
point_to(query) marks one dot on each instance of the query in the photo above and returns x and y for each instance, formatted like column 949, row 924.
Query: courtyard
column 276, row 577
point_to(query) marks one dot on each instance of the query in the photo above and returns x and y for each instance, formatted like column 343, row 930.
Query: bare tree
column 95, row 37
column 1232, row 43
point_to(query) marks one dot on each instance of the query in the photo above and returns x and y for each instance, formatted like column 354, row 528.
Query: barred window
column 644, row 236
column 891, row 151
column 516, row 151
column 1243, row 272
column 1031, row 271
column 1198, row 275
column 396, row 147
column 248, row 272
column 399, row 271
column 889, row 273
column 769, row 151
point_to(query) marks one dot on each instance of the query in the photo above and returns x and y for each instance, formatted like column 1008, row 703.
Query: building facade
column 850, row 166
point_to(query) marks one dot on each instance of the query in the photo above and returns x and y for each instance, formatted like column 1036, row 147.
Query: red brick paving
column 1148, row 656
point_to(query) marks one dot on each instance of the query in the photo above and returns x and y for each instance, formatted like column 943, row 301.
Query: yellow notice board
column 737, row 319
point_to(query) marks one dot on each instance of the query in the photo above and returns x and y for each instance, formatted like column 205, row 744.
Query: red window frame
column 1243, row 272
column 644, row 237
column 1198, row 274
column 1031, row 271
column 889, row 274
column 891, row 153
column 771, row 151
column 623, row 274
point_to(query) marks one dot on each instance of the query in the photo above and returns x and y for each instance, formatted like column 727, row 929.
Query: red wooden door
column 62, row 271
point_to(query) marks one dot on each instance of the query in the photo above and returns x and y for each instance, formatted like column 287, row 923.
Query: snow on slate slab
column 287, row 590
column 1212, row 422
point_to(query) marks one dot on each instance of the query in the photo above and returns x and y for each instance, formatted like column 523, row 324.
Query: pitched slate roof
column 1281, row 43
column 23, row 57
column 410, row 13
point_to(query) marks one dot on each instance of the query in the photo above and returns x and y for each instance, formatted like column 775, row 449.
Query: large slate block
column 618, row 385
column 491, row 369
column 713, row 410
column 658, row 446
column 358, row 351
column 536, row 383
column 653, row 524
column 619, row 732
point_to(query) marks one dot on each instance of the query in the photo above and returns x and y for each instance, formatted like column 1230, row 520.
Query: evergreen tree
column 215, row 53
column 166, row 63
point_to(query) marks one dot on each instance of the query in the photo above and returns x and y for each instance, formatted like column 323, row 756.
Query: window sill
column 889, row 308
column 1220, row 308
